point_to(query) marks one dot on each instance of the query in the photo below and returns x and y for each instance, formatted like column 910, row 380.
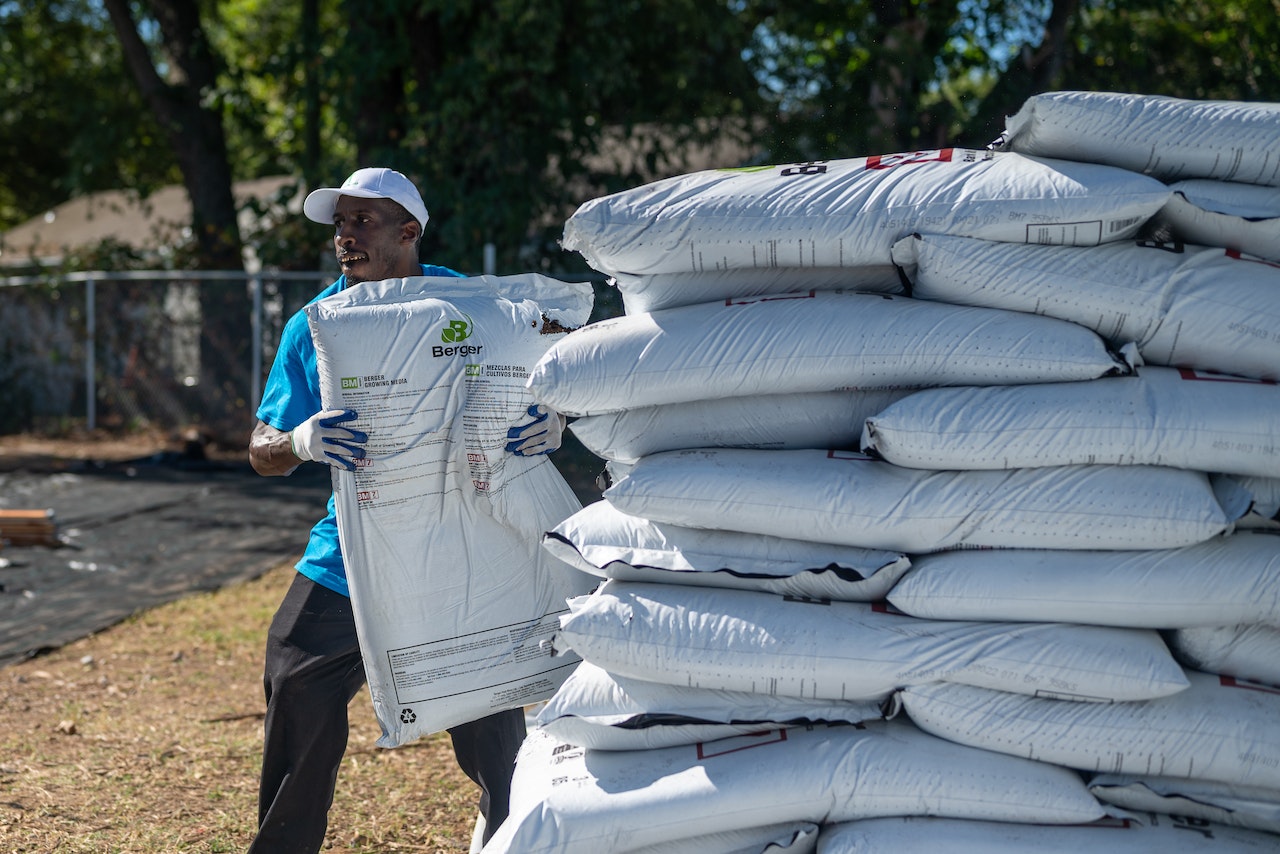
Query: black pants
column 313, row 670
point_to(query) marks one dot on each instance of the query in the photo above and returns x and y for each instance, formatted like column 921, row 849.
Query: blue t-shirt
column 291, row 396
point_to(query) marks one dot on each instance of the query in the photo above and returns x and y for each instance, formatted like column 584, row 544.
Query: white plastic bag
column 1140, row 834
column 439, row 525
column 1263, row 492
column 847, row 213
column 1160, row 416
column 851, row 499
column 1184, row 306
column 824, row 419
column 1226, row 580
column 569, row 800
column 641, row 294
column 1244, row 217
column 1170, row 138
column 1220, row 803
column 734, row 640
column 824, row 341
column 609, row 544
column 1219, row 729
column 1249, row 651
column 794, row 837
column 604, row 711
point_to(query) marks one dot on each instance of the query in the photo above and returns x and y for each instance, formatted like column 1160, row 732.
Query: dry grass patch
column 147, row 738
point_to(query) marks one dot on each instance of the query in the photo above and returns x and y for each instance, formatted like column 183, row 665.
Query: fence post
column 90, row 361
column 255, row 325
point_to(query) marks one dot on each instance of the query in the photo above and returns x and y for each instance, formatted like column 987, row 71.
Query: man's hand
column 539, row 436
column 320, row 438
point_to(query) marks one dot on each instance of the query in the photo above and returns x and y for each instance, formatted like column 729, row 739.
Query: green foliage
column 873, row 76
column 1202, row 49
column 283, row 240
column 497, row 107
column 277, row 62
column 107, row 254
column 509, row 114
column 67, row 124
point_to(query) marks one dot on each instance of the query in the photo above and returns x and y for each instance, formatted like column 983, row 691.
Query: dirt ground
column 131, row 654
column 146, row 738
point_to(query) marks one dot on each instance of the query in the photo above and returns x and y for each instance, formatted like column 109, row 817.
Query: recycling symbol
column 407, row 716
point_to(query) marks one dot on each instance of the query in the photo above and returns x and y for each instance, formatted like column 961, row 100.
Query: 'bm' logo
column 351, row 382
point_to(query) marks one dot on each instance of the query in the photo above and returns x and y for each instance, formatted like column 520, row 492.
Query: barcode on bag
column 1122, row 224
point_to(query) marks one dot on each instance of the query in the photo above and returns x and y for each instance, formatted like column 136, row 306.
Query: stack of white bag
column 1204, row 319
column 746, row 537
column 1219, row 157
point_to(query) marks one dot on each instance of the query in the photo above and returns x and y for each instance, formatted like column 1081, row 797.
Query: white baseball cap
column 372, row 183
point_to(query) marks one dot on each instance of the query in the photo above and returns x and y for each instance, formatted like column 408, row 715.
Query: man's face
column 373, row 241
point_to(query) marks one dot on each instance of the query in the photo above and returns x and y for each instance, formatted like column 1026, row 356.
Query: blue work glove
column 539, row 436
column 320, row 438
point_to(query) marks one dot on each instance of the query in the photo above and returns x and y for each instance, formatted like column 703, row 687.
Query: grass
column 147, row 738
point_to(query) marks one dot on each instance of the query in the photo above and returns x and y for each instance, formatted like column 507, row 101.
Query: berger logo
column 351, row 382
column 457, row 330
column 454, row 335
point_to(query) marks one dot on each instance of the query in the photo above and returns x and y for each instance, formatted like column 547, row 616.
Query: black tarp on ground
column 141, row 533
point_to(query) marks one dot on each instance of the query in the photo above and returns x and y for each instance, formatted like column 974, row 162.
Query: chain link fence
column 160, row 349
column 136, row 350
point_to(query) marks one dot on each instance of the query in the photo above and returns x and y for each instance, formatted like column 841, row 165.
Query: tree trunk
column 309, row 28
column 194, row 128
column 376, row 33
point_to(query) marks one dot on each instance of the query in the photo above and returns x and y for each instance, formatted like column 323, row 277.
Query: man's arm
column 321, row 438
column 271, row 452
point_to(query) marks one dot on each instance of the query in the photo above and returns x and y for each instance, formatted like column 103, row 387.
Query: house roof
column 122, row 215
